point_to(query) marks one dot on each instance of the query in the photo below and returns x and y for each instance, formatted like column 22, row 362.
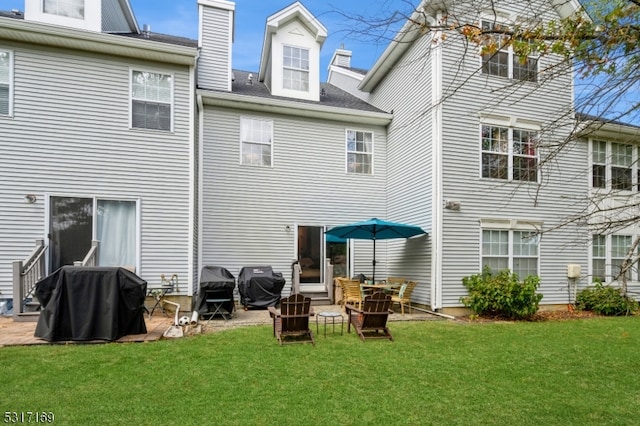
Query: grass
column 582, row 372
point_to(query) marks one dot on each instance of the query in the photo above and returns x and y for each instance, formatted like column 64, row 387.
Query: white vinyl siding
column 68, row 8
column 308, row 187
column 256, row 141
column 482, row 198
column 214, row 63
column 6, row 85
column 70, row 135
column 151, row 100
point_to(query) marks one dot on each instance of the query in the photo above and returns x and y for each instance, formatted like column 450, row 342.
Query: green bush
column 605, row 300
column 502, row 294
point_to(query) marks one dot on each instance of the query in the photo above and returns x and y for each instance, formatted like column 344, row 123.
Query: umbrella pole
column 373, row 263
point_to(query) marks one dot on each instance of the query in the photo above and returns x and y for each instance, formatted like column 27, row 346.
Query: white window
column 6, row 77
column 510, row 249
column 256, row 141
column 69, row 8
column 608, row 253
column 296, row 69
column 503, row 62
column 151, row 100
column 359, row 152
column 613, row 165
column 509, row 154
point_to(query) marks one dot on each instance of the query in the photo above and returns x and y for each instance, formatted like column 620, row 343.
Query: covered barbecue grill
column 215, row 292
column 259, row 286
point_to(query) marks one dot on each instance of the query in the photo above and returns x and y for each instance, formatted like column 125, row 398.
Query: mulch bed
column 557, row 315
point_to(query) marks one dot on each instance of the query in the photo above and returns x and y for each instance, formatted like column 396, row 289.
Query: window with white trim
column 151, row 100
column 256, row 141
column 68, row 8
column 504, row 62
column 608, row 253
column 6, row 74
column 296, row 68
column 359, row 152
column 509, row 153
column 511, row 249
column 613, row 165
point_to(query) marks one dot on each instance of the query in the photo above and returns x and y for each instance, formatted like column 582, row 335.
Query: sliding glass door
column 74, row 222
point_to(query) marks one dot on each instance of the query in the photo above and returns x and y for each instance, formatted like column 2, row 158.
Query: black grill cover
column 259, row 286
column 90, row 303
column 215, row 283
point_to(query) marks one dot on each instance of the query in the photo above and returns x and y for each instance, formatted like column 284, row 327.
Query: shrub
column 502, row 294
column 605, row 300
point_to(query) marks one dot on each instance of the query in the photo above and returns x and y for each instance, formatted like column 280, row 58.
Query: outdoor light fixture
column 30, row 198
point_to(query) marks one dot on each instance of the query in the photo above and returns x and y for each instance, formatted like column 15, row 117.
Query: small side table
column 333, row 315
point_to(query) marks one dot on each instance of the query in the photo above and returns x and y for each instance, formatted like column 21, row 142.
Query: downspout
column 200, row 178
column 194, row 185
column 436, row 161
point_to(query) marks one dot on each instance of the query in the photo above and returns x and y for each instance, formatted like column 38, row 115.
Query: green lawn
column 439, row 372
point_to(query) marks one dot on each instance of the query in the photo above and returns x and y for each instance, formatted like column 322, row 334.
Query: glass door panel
column 71, row 229
column 116, row 231
column 311, row 254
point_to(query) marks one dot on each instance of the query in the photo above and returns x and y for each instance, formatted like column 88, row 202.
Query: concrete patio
column 22, row 333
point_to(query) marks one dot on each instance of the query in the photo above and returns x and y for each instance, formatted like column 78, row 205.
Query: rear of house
column 97, row 142
column 283, row 157
column 464, row 149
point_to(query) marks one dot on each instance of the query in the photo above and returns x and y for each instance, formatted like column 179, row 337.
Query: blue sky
column 180, row 17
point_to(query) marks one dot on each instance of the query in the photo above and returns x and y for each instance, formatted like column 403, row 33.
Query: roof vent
column 146, row 30
column 250, row 79
column 16, row 12
column 323, row 92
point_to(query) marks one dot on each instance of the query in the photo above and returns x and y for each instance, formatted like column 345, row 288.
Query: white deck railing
column 25, row 276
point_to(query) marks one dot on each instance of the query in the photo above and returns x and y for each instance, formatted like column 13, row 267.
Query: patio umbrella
column 375, row 229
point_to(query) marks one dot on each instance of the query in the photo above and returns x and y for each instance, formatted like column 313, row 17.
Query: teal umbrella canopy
column 375, row 229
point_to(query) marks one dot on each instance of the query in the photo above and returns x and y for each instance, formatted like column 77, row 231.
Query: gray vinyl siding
column 213, row 65
column 70, row 136
column 406, row 91
column 562, row 182
column 246, row 209
column 348, row 84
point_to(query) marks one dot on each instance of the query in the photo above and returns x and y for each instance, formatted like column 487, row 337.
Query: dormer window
column 296, row 69
column 68, row 8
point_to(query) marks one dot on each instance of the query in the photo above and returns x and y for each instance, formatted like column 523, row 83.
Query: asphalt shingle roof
column 330, row 95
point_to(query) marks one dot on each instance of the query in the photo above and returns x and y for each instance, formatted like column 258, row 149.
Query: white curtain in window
column 117, row 233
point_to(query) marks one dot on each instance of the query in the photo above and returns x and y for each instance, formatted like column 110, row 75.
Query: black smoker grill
column 215, row 293
column 259, row 286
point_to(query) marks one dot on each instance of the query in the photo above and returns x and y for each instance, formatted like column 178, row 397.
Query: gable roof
column 295, row 11
column 413, row 29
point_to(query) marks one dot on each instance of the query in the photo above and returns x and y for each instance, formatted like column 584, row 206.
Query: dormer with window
column 109, row 16
column 290, row 62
